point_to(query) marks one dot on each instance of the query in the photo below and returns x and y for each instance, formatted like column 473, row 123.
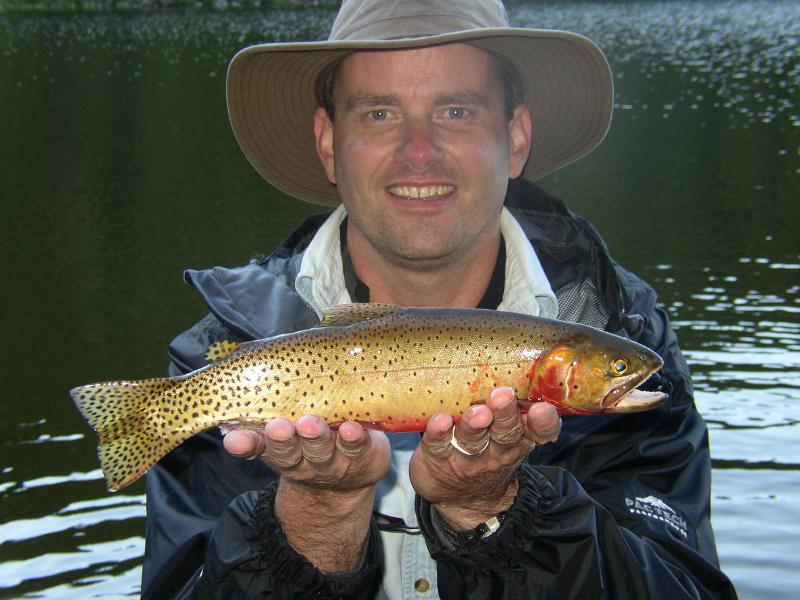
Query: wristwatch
column 481, row 532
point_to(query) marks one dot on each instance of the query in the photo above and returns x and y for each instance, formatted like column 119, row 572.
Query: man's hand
column 314, row 454
column 468, row 490
column 327, row 483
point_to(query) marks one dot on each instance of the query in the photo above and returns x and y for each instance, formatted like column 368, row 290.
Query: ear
column 323, row 134
column 519, row 139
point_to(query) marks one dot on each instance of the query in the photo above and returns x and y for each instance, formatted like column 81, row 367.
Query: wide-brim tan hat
column 273, row 89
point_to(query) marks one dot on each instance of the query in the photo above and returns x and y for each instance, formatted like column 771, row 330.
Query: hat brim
column 272, row 96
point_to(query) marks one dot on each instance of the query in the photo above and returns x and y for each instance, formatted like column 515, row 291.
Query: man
column 415, row 116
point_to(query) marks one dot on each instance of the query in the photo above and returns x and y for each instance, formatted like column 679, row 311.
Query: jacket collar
column 260, row 299
column 320, row 281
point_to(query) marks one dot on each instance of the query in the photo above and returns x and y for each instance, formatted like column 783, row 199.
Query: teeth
column 428, row 191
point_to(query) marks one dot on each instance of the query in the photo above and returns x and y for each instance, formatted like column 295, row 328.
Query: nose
column 418, row 147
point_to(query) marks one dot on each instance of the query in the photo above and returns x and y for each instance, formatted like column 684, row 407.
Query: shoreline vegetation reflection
column 106, row 6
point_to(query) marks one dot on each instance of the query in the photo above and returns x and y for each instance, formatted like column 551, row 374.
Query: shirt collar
column 320, row 281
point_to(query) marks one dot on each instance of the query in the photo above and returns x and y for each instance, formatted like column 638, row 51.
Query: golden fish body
column 386, row 367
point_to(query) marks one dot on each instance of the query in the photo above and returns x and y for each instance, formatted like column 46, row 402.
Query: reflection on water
column 123, row 172
column 740, row 326
column 734, row 56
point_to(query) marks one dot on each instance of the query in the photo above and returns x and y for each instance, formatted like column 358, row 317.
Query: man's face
column 421, row 151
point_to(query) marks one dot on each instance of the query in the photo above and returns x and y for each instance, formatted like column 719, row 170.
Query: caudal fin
column 127, row 417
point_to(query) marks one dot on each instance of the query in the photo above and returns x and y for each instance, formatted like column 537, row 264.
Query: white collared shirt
column 320, row 282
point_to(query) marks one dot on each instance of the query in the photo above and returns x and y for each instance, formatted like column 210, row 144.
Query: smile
column 428, row 191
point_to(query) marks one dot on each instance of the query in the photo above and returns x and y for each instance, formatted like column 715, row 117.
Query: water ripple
column 132, row 507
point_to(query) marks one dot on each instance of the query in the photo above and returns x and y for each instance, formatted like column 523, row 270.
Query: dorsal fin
column 222, row 349
column 347, row 314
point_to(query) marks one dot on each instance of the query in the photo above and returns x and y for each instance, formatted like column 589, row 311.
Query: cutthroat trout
column 387, row 367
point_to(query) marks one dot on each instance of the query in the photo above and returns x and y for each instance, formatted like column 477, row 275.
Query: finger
column 244, row 443
column 472, row 431
column 283, row 449
column 352, row 440
column 315, row 438
column 543, row 423
column 507, row 428
column 436, row 439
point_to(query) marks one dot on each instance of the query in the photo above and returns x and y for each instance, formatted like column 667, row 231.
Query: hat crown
column 403, row 19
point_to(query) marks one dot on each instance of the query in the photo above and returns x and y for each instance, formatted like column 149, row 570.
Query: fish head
column 588, row 375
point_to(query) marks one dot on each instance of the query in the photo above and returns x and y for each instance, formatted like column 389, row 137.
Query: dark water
column 118, row 170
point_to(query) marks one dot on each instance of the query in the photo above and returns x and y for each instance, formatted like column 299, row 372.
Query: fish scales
column 386, row 367
column 343, row 375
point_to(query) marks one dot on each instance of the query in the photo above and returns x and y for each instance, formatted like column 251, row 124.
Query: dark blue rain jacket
column 617, row 508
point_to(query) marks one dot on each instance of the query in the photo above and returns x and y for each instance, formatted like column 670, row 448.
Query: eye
column 456, row 112
column 380, row 114
column 619, row 366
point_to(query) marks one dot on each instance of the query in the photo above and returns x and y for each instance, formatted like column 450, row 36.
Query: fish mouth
column 629, row 399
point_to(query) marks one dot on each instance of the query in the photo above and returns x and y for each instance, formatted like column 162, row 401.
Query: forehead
column 444, row 66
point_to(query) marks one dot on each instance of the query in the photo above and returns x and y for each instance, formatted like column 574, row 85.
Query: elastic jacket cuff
column 290, row 567
column 522, row 520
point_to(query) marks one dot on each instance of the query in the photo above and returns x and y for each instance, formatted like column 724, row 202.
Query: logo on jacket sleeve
column 655, row 508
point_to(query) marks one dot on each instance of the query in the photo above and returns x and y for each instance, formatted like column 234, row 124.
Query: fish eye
column 619, row 366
